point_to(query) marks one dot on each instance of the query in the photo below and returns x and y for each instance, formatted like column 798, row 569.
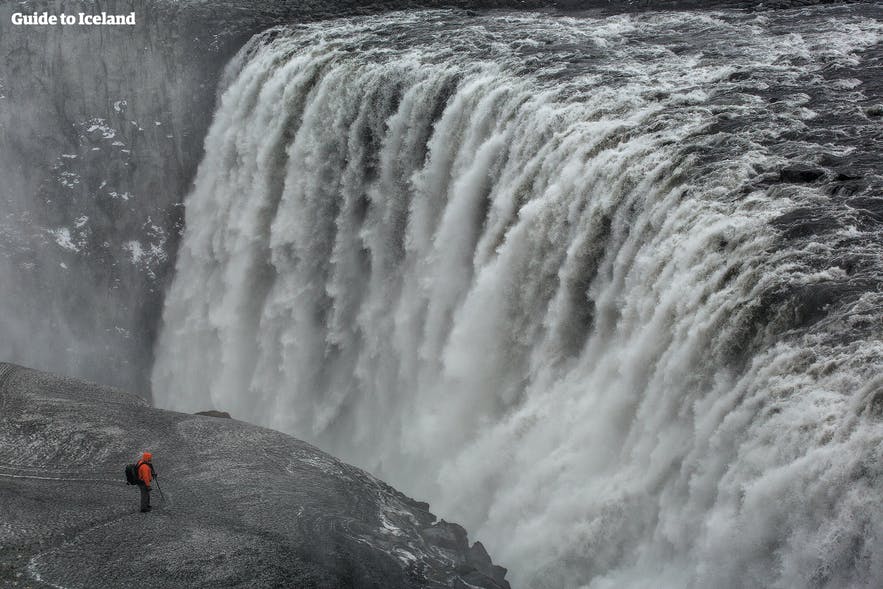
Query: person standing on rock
column 145, row 475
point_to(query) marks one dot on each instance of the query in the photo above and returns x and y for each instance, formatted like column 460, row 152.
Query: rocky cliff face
column 101, row 129
column 243, row 506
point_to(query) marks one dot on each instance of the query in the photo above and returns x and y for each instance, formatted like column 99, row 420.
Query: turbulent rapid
column 591, row 285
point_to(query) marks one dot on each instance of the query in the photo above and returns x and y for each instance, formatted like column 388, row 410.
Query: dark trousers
column 145, row 496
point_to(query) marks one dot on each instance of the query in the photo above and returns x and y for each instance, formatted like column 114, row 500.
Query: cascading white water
column 518, row 266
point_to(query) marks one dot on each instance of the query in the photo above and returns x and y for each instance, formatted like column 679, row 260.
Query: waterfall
column 533, row 269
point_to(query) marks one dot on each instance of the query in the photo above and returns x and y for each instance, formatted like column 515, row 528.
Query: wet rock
column 800, row 174
column 477, row 579
column 846, row 174
column 478, row 556
column 214, row 413
column 875, row 110
column 421, row 505
column 805, row 221
column 447, row 535
column 481, row 560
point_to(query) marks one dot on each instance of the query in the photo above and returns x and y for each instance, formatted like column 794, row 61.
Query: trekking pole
column 161, row 494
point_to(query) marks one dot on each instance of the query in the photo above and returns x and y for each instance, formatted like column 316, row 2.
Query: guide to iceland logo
column 70, row 19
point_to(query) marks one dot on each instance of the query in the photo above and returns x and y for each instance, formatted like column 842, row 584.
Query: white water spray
column 512, row 265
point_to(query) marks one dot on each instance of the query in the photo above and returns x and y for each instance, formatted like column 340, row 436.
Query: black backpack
column 132, row 472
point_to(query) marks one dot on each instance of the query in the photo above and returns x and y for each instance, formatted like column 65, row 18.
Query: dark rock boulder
column 447, row 535
column 481, row 560
column 800, row 174
column 213, row 413
column 241, row 506
column 475, row 566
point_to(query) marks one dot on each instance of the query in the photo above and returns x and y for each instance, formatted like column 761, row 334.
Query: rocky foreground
column 244, row 506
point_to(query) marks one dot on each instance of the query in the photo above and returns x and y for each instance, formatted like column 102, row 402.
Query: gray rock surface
column 244, row 506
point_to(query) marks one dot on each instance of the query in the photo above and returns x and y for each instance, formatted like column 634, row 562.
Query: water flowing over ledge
column 559, row 275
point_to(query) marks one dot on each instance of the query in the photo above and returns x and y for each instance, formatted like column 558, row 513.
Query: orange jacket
column 144, row 469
